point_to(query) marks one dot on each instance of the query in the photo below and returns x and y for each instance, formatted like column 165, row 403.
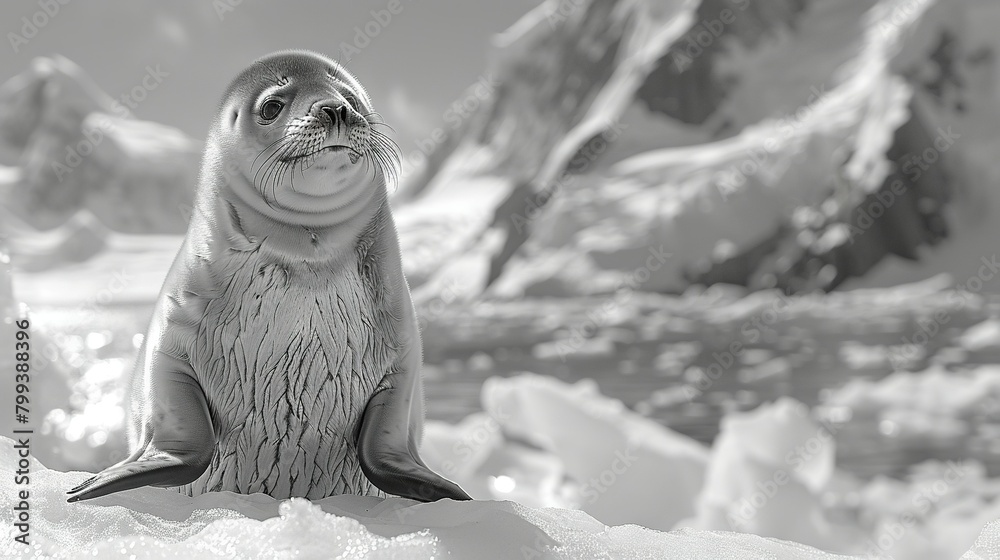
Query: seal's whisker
column 380, row 161
column 265, row 166
column 377, row 164
column 393, row 130
column 254, row 162
column 267, row 170
column 370, row 165
column 281, row 167
column 265, row 162
column 386, row 152
column 272, row 151
column 302, row 164
column 290, row 169
column 380, row 121
column 264, row 182
column 388, row 171
column 276, row 168
column 387, row 141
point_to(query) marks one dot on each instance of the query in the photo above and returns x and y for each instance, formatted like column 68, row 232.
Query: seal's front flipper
column 152, row 468
column 388, row 454
column 177, row 451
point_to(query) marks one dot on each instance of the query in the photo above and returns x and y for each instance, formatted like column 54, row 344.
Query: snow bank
column 153, row 523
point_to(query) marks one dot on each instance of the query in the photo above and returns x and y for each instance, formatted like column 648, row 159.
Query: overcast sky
column 419, row 62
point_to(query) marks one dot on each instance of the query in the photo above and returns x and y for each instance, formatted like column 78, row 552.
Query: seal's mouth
column 307, row 139
column 353, row 154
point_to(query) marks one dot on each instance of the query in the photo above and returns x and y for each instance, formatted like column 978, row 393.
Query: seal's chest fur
column 288, row 356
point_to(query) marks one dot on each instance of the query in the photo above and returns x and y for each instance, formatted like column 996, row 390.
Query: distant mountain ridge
column 777, row 143
column 791, row 144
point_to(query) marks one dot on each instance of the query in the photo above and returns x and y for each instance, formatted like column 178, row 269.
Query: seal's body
column 284, row 356
column 289, row 355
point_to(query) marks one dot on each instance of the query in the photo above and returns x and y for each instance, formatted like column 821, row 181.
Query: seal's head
column 297, row 136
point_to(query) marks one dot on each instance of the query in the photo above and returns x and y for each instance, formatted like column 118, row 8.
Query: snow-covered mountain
column 657, row 144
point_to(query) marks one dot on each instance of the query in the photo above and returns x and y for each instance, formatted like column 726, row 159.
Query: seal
column 284, row 356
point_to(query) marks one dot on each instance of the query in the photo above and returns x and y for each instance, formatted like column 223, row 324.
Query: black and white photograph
column 482, row 279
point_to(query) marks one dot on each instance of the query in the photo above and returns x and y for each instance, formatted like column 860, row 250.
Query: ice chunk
column 630, row 469
column 934, row 403
column 984, row 336
column 765, row 476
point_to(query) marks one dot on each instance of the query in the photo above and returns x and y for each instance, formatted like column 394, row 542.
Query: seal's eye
column 270, row 109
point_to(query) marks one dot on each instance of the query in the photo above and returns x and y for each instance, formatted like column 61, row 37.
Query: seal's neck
column 233, row 224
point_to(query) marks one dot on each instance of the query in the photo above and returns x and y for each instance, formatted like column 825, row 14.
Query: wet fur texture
column 288, row 354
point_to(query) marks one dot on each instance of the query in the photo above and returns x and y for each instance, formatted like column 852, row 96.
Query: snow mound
column 986, row 545
column 153, row 523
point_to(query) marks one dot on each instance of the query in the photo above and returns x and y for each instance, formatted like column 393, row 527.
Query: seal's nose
column 338, row 113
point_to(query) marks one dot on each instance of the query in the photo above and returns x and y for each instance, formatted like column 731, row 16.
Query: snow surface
column 158, row 523
column 536, row 441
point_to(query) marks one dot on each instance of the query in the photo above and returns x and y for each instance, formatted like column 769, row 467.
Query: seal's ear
column 235, row 115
